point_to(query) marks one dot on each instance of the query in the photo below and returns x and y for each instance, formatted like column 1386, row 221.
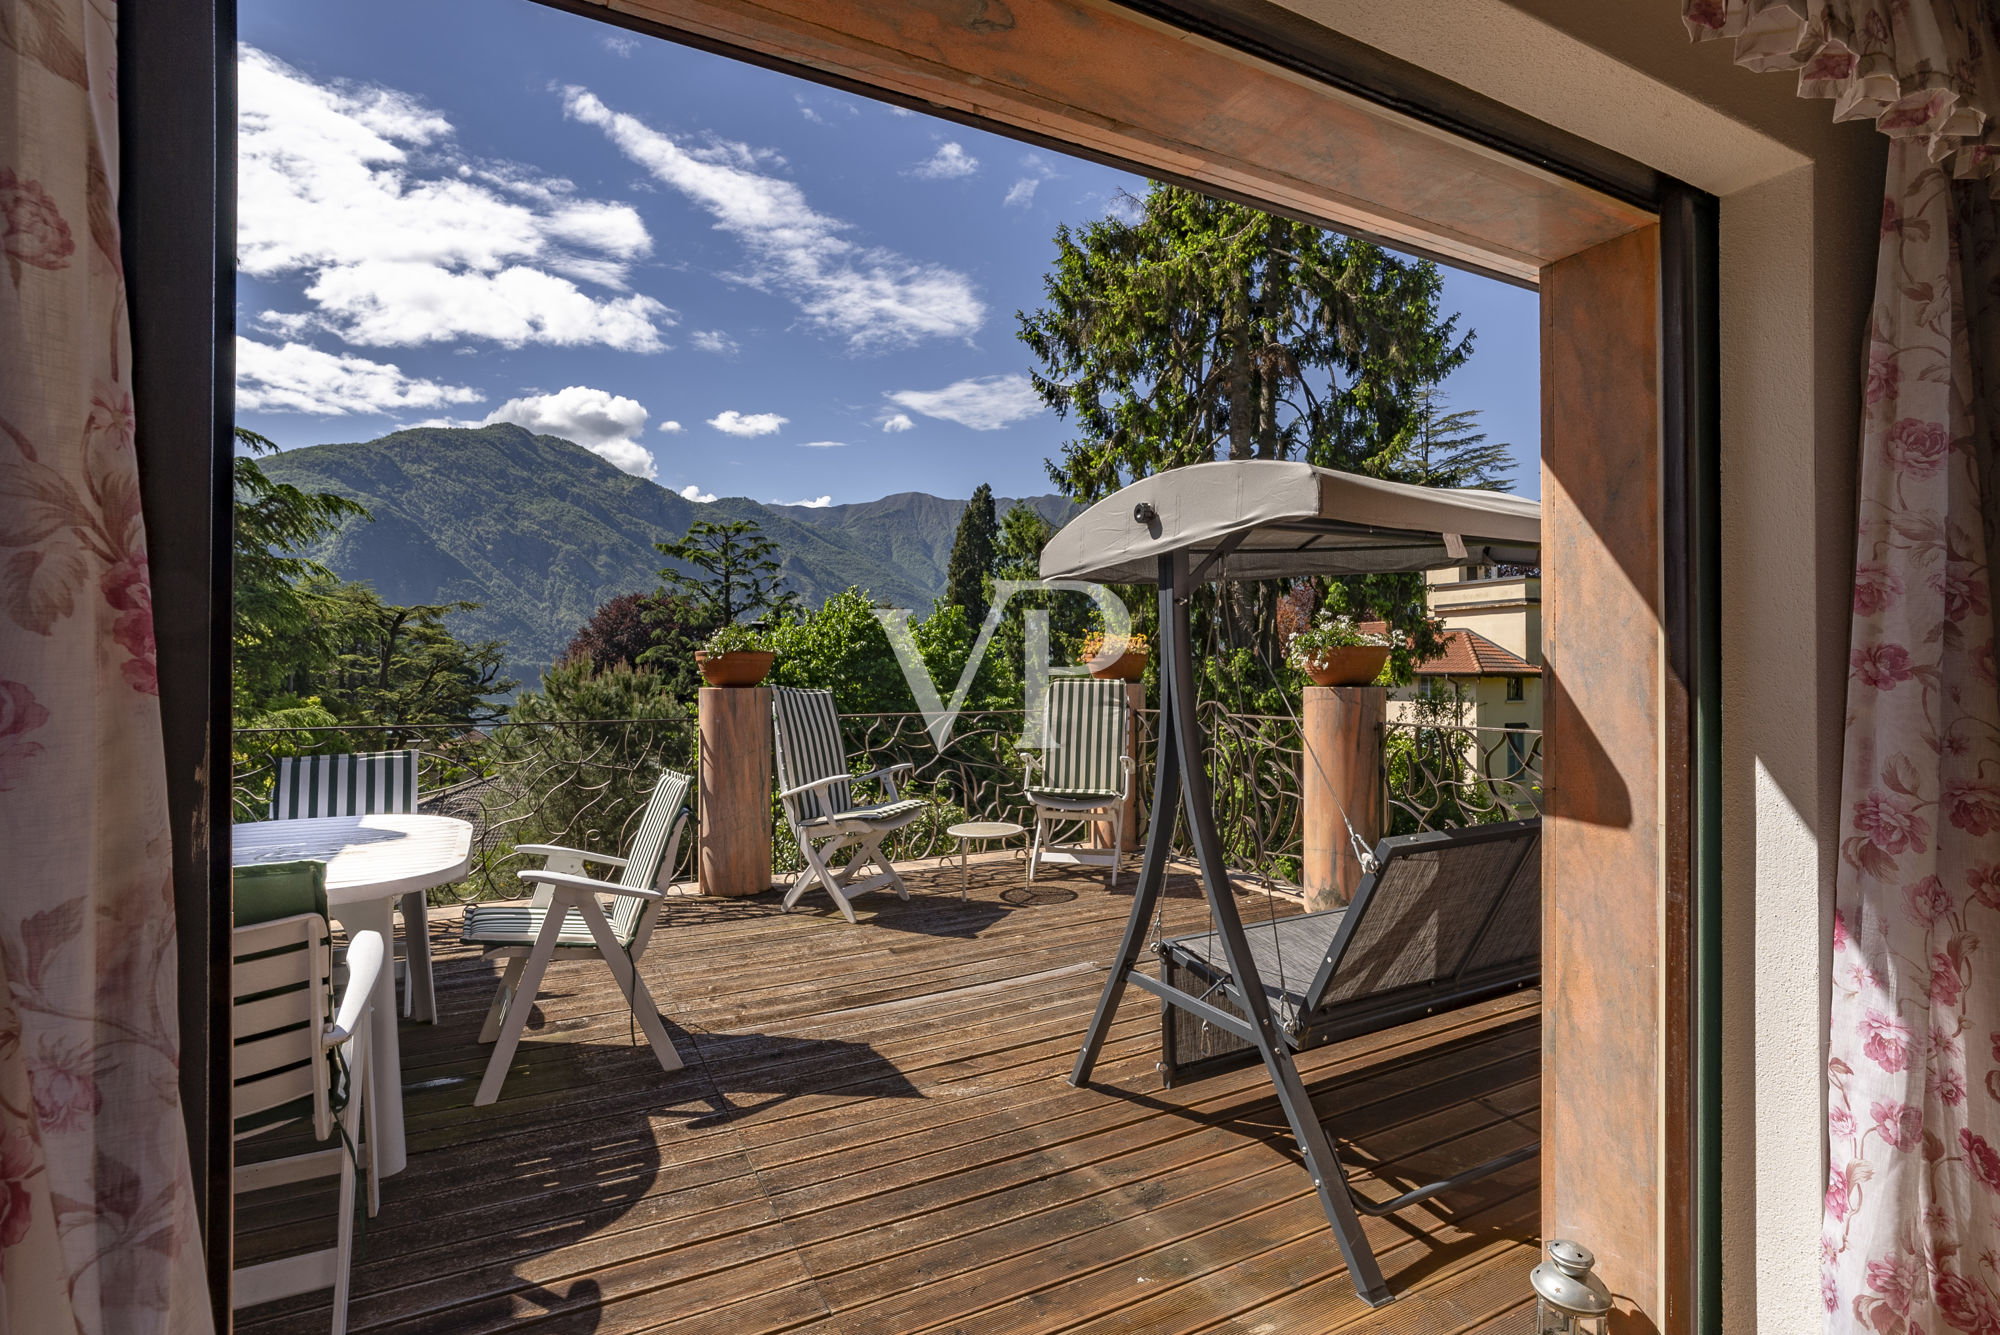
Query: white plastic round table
column 981, row 830
column 371, row 862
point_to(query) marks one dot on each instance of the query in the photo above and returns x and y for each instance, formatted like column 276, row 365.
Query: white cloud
column 297, row 378
column 985, row 403
column 619, row 45
column 402, row 239
column 672, row 428
column 1125, row 207
column 715, row 341
column 822, row 444
column 693, row 493
column 1022, row 192
column 872, row 297
column 947, row 164
column 815, row 503
column 747, row 424
column 897, row 422
column 606, row 424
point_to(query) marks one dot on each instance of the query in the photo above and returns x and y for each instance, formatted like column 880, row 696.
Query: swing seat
column 1446, row 919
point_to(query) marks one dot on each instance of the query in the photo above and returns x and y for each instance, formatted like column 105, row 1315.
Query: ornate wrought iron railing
column 1254, row 767
column 1443, row 776
column 977, row 776
column 577, row 783
column 583, row 783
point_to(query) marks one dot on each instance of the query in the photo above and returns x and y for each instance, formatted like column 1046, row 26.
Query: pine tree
column 736, row 571
column 972, row 556
column 1447, row 449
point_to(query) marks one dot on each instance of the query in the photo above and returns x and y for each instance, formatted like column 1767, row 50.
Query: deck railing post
column 1340, row 765
column 735, row 723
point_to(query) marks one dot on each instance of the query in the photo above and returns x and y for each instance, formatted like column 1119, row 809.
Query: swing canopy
column 1247, row 519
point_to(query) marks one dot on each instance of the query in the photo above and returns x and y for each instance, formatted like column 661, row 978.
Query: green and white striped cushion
column 1083, row 737
column 369, row 784
column 515, row 923
column 809, row 748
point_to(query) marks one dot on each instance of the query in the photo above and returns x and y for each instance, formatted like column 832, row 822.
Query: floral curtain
column 1911, row 1218
column 97, row 1221
column 1927, row 70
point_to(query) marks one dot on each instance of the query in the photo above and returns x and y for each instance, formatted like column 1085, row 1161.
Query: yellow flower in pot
column 1111, row 662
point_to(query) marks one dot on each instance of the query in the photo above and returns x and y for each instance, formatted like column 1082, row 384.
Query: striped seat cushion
column 368, row 784
column 1083, row 738
column 882, row 813
column 510, row 923
column 1074, row 794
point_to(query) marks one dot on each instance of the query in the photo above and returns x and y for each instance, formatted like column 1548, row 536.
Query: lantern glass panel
column 1552, row 1320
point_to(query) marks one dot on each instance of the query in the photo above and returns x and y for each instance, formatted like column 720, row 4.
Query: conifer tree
column 972, row 556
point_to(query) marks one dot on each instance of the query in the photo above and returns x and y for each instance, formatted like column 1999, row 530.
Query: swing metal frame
column 1181, row 777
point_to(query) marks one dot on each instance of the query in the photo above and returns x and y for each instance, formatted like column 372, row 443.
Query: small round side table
column 981, row 830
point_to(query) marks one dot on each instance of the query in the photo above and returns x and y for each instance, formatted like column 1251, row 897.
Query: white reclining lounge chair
column 566, row 918
column 816, row 788
column 298, row 1054
column 1083, row 774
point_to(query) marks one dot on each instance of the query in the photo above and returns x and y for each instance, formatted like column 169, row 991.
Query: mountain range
column 540, row 532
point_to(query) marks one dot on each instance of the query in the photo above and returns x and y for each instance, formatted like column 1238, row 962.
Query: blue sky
column 720, row 277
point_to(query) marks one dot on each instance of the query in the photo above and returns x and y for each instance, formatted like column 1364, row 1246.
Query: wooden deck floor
column 874, row 1133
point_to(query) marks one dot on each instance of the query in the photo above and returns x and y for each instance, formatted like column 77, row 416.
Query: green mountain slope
column 540, row 532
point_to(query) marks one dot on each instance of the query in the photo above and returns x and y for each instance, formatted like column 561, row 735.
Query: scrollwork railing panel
column 1448, row 776
column 580, row 784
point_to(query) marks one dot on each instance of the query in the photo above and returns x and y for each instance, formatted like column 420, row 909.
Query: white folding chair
column 566, row 918
column 1083, row 774
column 816, row 789
column 295, row 1055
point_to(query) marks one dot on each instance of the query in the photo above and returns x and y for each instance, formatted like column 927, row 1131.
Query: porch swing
column 1439, row 919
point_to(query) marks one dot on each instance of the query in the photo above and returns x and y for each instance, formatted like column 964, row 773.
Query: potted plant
column 1333, row 651
column 734, row 656
column 1129, row 665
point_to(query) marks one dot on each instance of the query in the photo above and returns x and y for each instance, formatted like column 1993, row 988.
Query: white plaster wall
column 1799, row 208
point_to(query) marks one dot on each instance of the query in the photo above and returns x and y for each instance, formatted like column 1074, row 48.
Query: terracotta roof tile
column 1467, row 653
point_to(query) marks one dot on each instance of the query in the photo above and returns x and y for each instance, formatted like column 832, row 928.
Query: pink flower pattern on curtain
column 97, row 1221
column 1927, row 70
column 1911, row 1216
column 1912, row 1209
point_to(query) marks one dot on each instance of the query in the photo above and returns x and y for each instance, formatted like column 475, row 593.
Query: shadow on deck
column 874, row 1133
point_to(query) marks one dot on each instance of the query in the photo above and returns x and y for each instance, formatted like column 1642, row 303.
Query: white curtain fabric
column 1911, row 1217
column 97, row 1221
column 1927, row 70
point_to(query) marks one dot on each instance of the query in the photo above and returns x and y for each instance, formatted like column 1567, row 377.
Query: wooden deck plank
column 874, row 1132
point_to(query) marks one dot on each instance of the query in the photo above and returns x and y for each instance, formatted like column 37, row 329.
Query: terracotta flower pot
column 1353, row 665
column 743, row 667
column 1128, row 666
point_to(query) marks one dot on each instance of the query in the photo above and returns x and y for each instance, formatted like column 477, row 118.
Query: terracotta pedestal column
column 735, row 789
column 1341, row 768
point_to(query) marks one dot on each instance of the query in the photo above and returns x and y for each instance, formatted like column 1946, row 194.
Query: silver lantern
column 1569, row 1300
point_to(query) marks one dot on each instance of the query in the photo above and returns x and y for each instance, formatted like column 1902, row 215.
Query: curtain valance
column 1924, row 71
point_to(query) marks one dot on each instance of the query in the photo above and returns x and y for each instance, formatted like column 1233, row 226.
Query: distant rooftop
column 1467, row 653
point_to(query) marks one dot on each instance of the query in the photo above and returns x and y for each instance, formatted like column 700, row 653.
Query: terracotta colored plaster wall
column 1602, row 1113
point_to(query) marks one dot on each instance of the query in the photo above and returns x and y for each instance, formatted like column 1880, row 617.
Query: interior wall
column 1799, row 203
